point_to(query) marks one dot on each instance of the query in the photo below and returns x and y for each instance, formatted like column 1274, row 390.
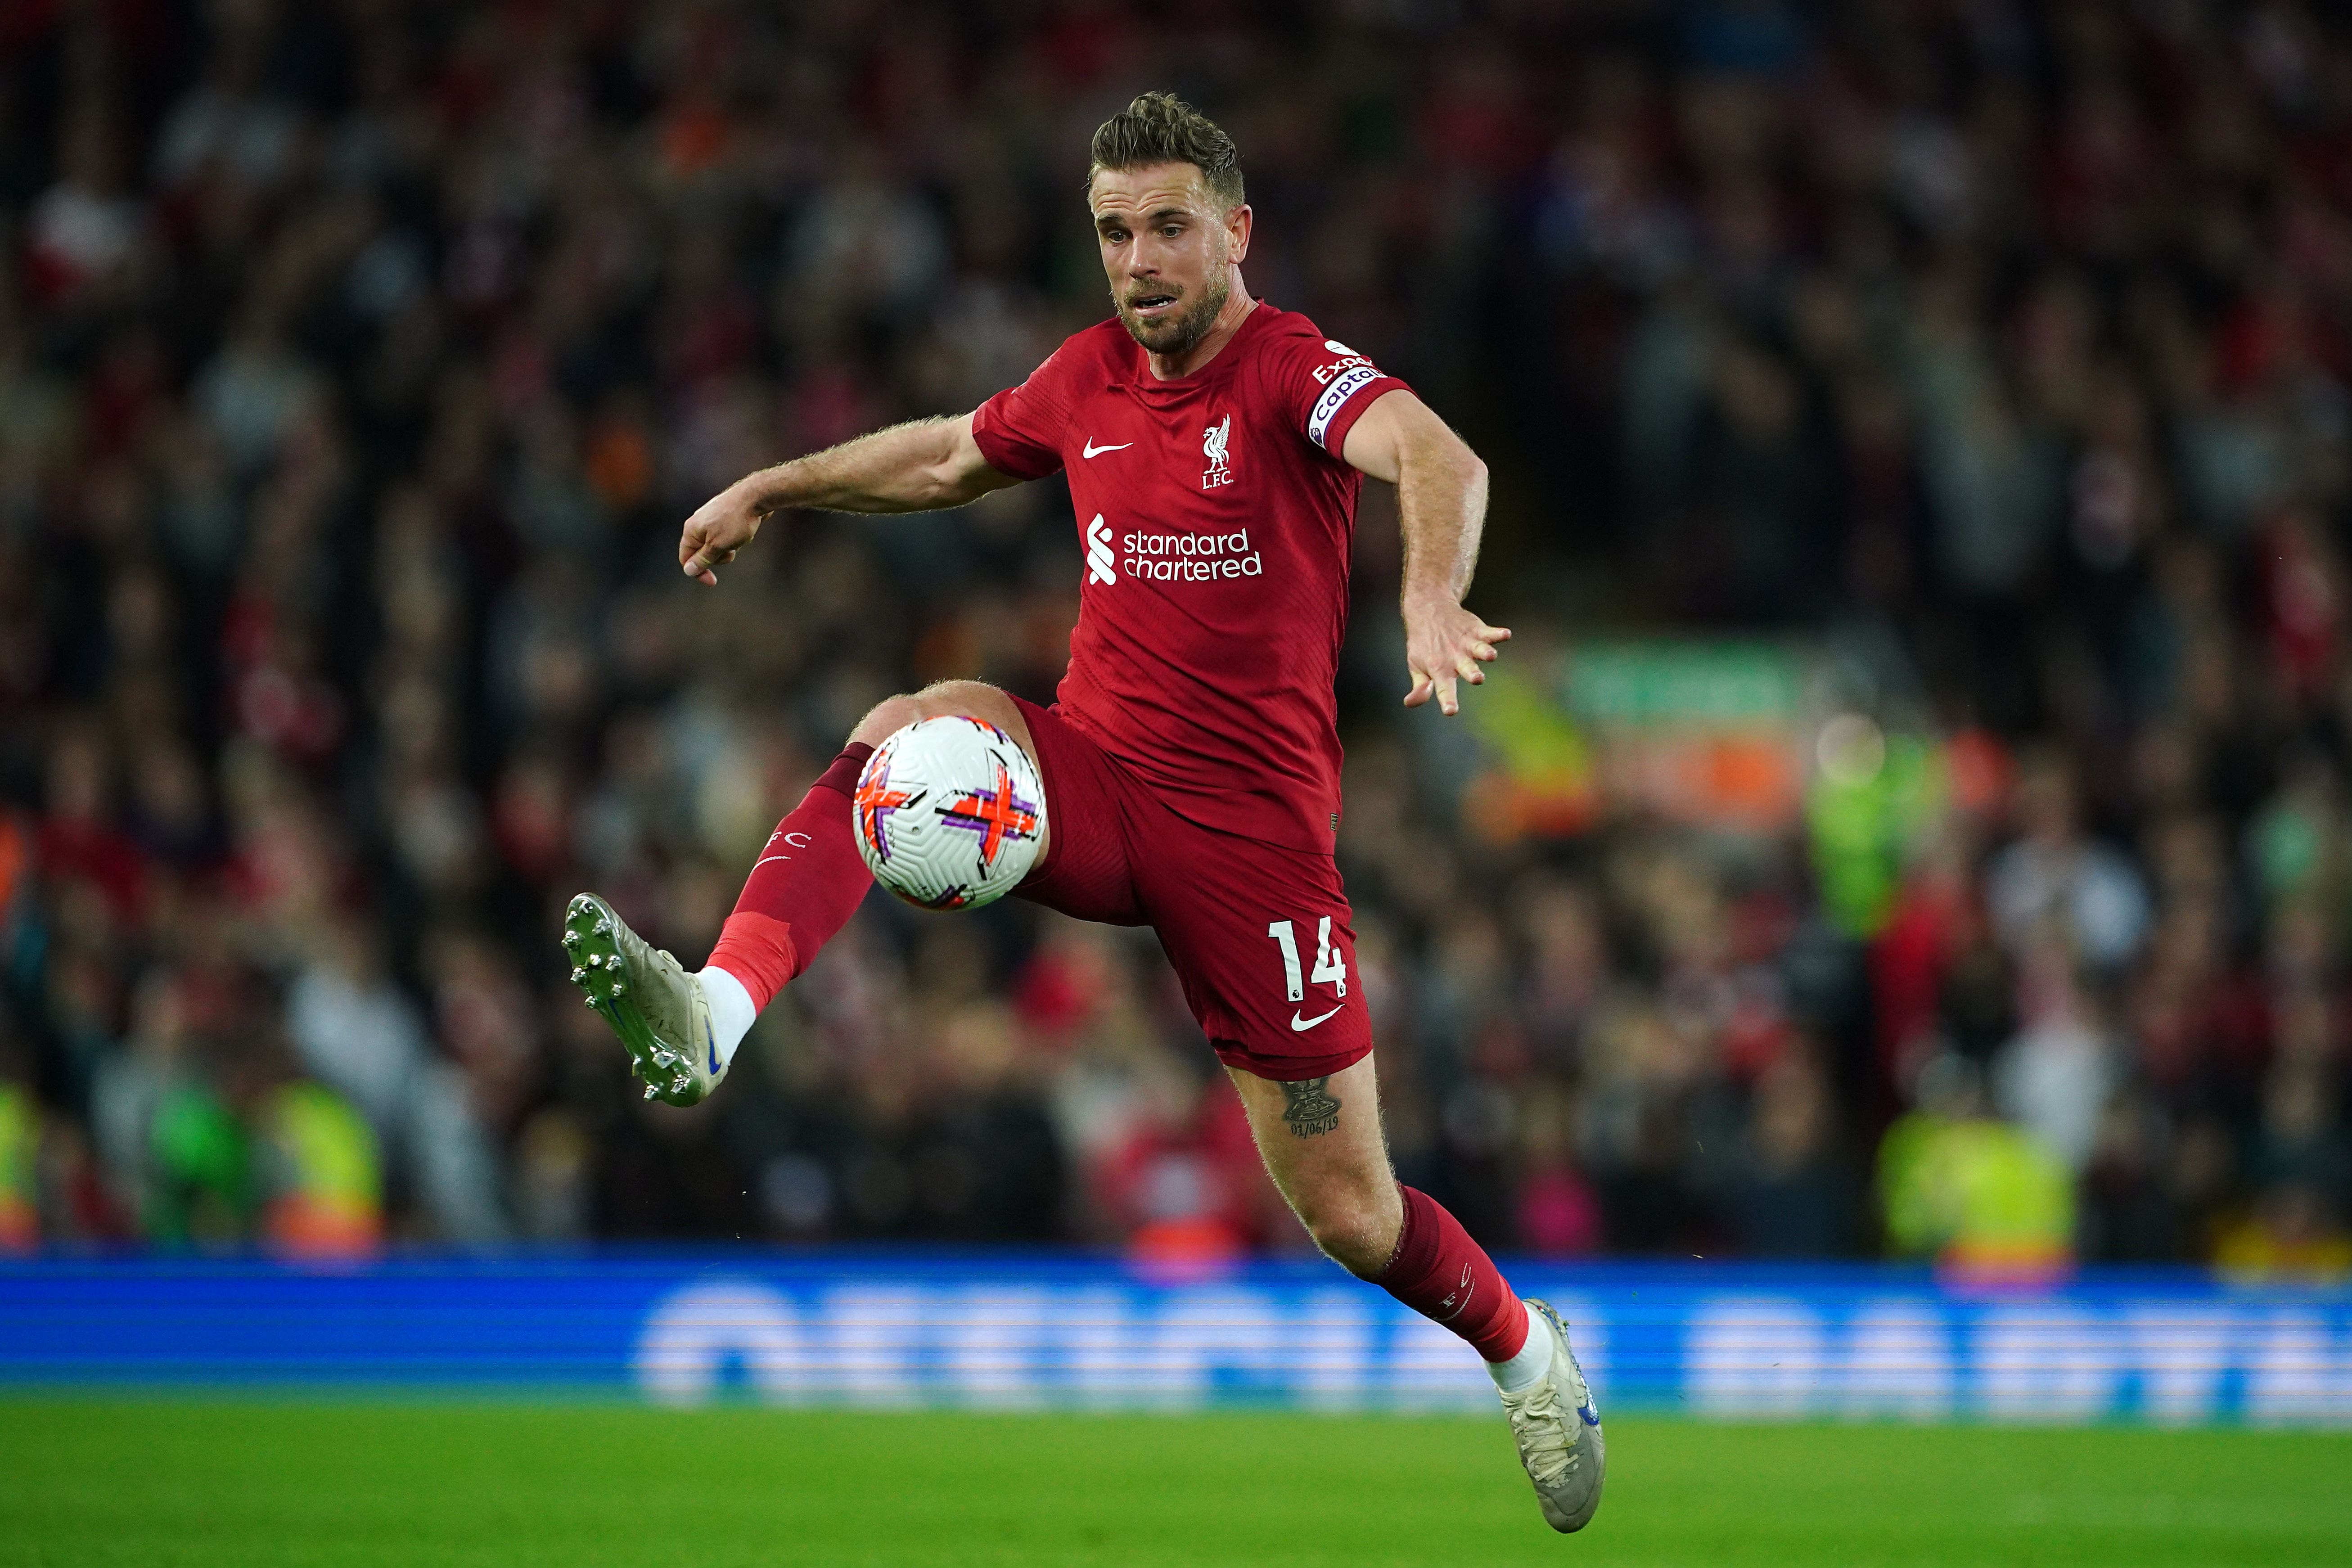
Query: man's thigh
column 1260, row 937
column 1084, row 871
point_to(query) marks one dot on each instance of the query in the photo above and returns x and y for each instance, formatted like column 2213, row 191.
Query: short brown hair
column 1161, row 128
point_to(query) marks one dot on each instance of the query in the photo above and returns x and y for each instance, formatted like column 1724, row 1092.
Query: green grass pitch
column 186, row 1481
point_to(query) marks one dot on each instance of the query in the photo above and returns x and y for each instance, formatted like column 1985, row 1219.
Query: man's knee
column 943, row 697
column 1355, row 1231
column 886, row 719
column 938, row 700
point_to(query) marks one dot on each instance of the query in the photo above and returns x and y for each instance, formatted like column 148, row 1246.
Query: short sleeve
column 1020, row 430
column 1325, row 387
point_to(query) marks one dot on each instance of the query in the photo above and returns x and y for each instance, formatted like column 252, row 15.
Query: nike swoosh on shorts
column 1299, row 1025
column 1095, row 451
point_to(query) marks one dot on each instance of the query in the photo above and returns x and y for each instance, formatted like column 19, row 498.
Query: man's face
column 1169, row 249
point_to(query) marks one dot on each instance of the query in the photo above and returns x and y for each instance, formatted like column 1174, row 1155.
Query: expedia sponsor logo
column 1189, row 557
column 1348, row 359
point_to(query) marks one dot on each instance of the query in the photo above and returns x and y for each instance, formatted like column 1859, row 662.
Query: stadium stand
column 1981, row 366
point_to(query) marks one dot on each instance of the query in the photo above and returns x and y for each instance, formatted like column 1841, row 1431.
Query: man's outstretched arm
column 917, row 467
column 1442, row 499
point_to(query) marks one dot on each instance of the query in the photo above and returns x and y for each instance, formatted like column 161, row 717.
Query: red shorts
column 1258, row 934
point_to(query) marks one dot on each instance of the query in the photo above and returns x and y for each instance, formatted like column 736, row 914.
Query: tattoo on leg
column 1310, row 1110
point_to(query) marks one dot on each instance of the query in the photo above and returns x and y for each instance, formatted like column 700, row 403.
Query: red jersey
column 1217, row 517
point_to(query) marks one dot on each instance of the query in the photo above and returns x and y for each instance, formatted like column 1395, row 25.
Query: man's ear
column 1237, row 233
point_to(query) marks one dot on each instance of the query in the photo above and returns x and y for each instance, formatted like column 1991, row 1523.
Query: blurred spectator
column 358, row 1034
column 1792, row 1195
column 20, row 1139
column 2049, row 885
column 1982, row 1197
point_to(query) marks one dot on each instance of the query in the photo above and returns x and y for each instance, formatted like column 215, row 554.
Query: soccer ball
column 948, row 813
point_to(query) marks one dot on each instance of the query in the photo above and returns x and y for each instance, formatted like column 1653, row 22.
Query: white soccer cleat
column 652, row 1002
column 1559, row 1432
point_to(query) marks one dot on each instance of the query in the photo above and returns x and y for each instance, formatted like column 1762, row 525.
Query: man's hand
column 1444, row 643
column 718, row 528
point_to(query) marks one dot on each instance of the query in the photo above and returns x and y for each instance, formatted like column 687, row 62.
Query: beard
column 1179, row 333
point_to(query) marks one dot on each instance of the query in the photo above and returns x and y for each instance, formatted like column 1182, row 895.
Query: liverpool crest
column 1213, row 447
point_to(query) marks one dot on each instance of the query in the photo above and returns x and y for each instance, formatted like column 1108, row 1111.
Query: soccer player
column 1215, row 446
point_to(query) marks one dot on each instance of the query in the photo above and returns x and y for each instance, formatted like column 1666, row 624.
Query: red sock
column 1441, row 1273
column 806, row 885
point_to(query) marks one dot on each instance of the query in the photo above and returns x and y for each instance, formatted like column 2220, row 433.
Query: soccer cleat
column 652, row 1002
column 1559, row 1432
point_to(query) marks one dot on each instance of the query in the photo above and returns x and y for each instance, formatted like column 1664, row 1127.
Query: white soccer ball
column 948, row 813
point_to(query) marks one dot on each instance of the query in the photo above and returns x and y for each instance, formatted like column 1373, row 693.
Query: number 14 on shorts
column 1328, row 965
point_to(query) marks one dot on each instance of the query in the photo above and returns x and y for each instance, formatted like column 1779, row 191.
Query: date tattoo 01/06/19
column 1308, row 1109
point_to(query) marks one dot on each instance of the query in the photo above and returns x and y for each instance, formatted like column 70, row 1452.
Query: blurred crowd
column 358, row 361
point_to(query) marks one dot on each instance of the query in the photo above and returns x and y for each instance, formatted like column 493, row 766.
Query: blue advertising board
column 1015, row 1331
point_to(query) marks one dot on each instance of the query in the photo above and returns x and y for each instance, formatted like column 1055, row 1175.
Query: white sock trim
column 731, row 1012
column 1522, row 1370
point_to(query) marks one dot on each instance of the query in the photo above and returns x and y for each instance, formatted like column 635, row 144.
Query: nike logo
column 712, row 1040
column 1299, row 1025
column 1095, row 451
